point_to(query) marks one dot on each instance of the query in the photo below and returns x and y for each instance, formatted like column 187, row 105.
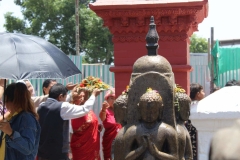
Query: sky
column 223, row 16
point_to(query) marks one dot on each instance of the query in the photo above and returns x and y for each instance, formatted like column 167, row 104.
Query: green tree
column 54, row 20
column 198, row 44
column 98, row 46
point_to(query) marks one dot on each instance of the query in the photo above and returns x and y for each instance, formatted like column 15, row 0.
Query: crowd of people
column 46, row 127
column 56, row 124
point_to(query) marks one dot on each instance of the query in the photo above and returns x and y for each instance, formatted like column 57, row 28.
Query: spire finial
column 152, row 39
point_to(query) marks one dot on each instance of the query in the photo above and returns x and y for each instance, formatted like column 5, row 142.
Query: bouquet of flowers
column 91, row 83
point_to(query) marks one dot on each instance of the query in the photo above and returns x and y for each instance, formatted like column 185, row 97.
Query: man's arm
column 71, row 111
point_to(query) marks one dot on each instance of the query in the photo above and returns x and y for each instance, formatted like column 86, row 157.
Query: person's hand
column 100, row 127
column 2, row 82
column 75, row 94
column 96, row 92
column 70, row 86
column 5, row 127
column 105, row 106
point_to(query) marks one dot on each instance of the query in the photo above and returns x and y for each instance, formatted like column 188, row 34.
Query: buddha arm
column 188, row 149
column 161, row 155
column 129, row 138
column 171, row 139
column 133, row 155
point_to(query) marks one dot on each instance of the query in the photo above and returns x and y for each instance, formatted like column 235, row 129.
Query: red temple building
column 128, row 21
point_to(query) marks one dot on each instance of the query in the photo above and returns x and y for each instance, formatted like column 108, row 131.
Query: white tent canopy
column 218, row 110
column 223, row 104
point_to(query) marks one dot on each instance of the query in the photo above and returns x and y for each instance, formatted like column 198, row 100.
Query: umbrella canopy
column 27, row 56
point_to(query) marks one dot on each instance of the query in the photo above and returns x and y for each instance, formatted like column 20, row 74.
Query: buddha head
column 150, row 106
column 182, row 104
column 120, row 109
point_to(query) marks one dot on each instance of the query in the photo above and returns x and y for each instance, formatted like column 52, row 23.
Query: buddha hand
column 152, row 147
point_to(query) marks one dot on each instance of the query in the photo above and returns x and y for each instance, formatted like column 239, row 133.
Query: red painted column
column 129, row 22
column 125, row 54
column 177, row 53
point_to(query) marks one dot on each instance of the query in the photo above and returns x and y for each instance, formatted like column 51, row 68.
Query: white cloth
column 69, row 97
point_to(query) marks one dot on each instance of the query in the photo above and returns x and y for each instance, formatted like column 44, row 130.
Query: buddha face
column 184, row 112
column 120, row 113
column 120, row 109
column 149, row 111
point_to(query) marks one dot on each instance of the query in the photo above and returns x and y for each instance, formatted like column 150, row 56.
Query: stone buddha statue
column 152, row 70
column 120, row 114
column 182, row 109
column 120, row 109
column 150, row 123
column 151, row 139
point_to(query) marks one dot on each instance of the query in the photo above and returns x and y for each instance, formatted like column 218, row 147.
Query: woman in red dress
column 109, row 123
column 85, row 140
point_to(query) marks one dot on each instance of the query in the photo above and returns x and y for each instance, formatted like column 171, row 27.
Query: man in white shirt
column 54, row 116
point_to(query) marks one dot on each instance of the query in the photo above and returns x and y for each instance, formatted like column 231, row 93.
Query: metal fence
column 201, row 72
column 199, row 62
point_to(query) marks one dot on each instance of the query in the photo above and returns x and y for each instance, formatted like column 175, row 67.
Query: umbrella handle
column 5, row 82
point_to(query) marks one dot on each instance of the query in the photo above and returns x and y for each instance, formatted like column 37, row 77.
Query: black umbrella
column 28, row 57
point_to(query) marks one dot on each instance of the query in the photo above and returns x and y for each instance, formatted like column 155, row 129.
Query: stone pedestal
column 219, row 110
column 128, row 21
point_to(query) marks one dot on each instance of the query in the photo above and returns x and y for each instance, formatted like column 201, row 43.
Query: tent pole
column 212, row 61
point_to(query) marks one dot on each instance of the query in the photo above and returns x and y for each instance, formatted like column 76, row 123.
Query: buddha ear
column 160, row 111
column 125, row 113
column 138, row 113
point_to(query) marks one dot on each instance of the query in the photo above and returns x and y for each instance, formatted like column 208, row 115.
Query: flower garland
column 178, row 89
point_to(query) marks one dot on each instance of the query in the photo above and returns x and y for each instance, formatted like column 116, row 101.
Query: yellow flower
column 179, row 89
column 149, row 89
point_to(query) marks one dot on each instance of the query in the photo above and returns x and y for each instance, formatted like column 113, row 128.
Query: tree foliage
column 198, row 44
column 54, row 20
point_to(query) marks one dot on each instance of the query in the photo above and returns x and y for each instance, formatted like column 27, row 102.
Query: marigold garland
column 179, row 89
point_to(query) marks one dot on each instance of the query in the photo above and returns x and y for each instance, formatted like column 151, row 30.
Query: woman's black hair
column 232, row 82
